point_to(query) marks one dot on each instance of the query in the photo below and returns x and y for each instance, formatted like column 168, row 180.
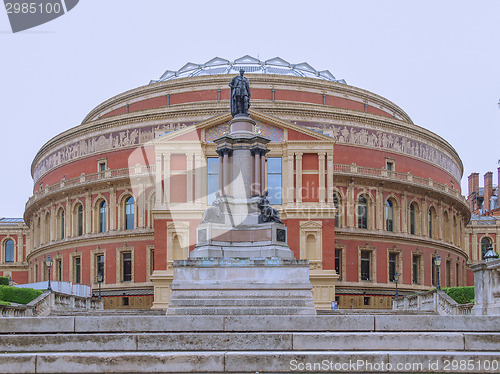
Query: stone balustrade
column 435, row 301
column 49, row 302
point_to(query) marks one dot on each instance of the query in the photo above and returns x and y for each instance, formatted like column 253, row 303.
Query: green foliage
column 4, row 281
column 462, row 295
column 4, row 302
column 18, row 295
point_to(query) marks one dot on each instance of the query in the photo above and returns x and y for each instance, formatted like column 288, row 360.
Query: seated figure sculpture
column 215, row 213
column 267, row 212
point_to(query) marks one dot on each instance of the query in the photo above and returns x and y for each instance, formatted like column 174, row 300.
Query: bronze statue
column 240, row 95
column 267, row 212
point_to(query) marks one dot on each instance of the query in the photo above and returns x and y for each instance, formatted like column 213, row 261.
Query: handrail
column 436, row 301
column 50, row 301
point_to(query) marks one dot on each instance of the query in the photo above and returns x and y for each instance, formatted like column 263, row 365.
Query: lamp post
column 100, row 278
column 48, row 263
column 396, row 279
column 437, row 262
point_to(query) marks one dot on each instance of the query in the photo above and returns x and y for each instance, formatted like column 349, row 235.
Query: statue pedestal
column 241, row 286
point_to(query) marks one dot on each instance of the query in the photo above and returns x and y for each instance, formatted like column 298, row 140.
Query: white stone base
column 241, row 286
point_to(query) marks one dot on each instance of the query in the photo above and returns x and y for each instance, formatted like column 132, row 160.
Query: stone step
column 244, row 310
column 251, row 362
column 111, row 312
column 322, row 323
column 374, row 312
column 269, row 302
column 275, row 341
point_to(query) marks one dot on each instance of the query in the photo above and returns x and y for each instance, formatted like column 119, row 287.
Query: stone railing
column 102, row 176
column 49, row 302
column 401, row 177
column 434, row 301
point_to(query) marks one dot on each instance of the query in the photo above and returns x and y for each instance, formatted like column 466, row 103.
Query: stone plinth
column 241, row 286
column 487, row 288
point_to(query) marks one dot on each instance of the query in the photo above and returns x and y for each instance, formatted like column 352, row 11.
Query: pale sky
column 438, row 60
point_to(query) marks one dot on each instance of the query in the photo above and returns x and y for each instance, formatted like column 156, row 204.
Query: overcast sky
column 438, row 60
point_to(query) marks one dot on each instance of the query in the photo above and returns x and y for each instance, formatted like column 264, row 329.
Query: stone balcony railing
column 434, row 301
column 49, row 302
column 149, row 171
column 408, row 178
column 84, row 179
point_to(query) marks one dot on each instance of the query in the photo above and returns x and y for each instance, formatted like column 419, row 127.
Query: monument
column 241, row 263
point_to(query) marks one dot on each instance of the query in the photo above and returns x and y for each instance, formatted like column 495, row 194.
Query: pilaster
column 298, row 176
column 321, row 167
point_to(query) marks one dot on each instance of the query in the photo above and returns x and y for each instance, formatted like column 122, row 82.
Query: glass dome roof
column 251, row 65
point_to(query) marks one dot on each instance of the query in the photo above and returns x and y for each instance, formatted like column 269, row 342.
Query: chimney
column 474, row 182
column 488, row 189
column 474, row 187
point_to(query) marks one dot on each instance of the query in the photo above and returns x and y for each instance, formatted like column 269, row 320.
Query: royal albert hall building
column 367, row 195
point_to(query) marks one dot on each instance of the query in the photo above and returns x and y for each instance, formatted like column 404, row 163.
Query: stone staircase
column 248, row 344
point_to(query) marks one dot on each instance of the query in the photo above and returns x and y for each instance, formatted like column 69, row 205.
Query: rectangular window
column 101, row 167
column 125, row 301
column 392, row 266
column 100, row 265
column 78, row 271
column 151, row 261
column 59, row 270
column 415, row 269
column 212, row 178
column 365, row 265
column 389, row 166
column 366, row 300
column 80, row 220
column 456, row 275
column 126, row 266
column 274, row 180
column 338, row 262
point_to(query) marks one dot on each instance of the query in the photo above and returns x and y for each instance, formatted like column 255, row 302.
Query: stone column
column 329, row 177
column 351, row 205
column 198, row 178
column 141, row 205
column 291, row 178
column 321, row 178
column 263, row 184
column 380, row 209
column 189, row 177
column 68, row 219
column 158, row 189
column 166, row 177
column 88, row 212
column 226, row 172
column 298, row 177
column 221, row 172
column 256, row 178
column 112, row 211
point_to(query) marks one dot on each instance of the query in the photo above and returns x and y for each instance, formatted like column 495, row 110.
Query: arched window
column 47, row 229
column 129, row 213
column 61, row 224
column 432, row 223
column 9, row 250
column 485, row 245
column 336, row 203
column 362, row 213
column 389, row 215
column 102, row 216
column 412, row 219
column 79, row 220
